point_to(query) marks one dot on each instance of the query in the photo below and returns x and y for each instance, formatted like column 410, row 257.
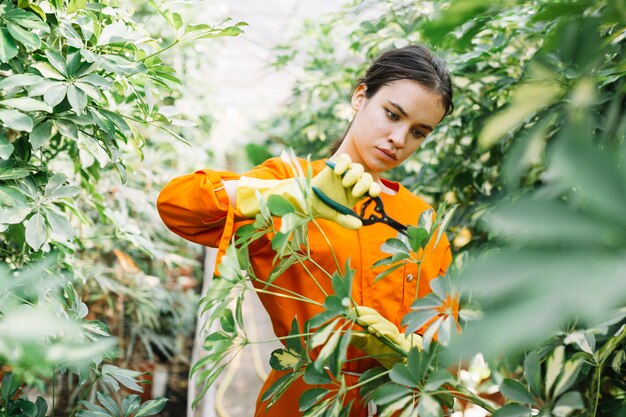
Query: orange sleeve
column 196, row 206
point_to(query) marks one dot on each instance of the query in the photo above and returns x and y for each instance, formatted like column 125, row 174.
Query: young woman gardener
column 403, row 96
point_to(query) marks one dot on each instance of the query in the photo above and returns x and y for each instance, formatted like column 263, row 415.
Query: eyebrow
column 404, row 113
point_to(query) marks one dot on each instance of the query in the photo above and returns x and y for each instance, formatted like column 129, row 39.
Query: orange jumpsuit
column 196, row 207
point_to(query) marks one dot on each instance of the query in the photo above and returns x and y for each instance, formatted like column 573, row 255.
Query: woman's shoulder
column 286, row 166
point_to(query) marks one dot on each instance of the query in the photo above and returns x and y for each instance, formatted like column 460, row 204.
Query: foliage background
column 539, row 123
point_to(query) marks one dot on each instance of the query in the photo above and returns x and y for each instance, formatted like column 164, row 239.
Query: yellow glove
column 378, row 327
column 347, row 183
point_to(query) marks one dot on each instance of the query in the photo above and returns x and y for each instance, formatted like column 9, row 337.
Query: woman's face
column 389, row 126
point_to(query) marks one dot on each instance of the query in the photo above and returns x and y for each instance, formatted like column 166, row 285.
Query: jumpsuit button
column 409, row 278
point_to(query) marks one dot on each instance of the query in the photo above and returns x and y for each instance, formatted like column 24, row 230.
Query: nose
column 397, row 137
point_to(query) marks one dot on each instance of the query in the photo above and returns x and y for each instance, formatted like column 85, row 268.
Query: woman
column 403, row 96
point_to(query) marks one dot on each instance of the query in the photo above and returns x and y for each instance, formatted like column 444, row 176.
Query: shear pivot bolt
column 409, row 278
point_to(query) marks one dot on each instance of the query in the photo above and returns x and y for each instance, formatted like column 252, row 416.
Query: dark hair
column 413, row 62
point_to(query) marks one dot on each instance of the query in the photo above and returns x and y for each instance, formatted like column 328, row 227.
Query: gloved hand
column 347, row 183
column 377, row 327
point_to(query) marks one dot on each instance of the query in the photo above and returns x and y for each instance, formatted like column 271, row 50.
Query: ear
column 358, row 97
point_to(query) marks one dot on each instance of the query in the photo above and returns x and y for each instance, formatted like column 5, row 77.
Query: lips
column 389, row 153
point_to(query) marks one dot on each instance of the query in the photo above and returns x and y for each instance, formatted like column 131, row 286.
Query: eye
column 418, row 133
column 391, row 115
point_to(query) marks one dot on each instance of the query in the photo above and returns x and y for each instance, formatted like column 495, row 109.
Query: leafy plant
column 81, row 84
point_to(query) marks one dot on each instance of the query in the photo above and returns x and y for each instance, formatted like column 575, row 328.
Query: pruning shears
column 371, row 219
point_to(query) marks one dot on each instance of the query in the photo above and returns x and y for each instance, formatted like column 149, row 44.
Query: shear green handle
column 332, row 203
column 329, row 201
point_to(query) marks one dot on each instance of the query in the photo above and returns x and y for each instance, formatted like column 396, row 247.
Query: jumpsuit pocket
column 409, row 284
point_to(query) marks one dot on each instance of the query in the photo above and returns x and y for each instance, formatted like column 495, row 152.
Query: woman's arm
column 195, row 206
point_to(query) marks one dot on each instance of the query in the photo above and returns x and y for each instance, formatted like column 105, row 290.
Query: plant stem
column 251, row 342
column 308, row 272
column 53, row 396
column 460, row 391
column 277, row 294
column 357, row 385
column 85, row 392
column 604, row 354
column 278, row 287
column 161, row 50
column 330, row 246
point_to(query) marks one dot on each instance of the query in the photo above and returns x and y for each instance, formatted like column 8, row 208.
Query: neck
column 347, row 147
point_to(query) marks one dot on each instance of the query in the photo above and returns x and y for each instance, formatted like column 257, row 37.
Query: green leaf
column 109, row 403
column 8, row 48
column 437, row 378
column 42, row 407
column 387, row 272
column 418, row 237
column 328, row 349
column 117, row 120
column 16, row 120
column 48, row 71
column 19, row 80
column 6, row 148
column 527, row 99
column 402, row 375
column 515, row 391
column 389, row 393
column 126, row 377
column 394, row 245
column 321, row 335
column 23, row 36
column 96, row 80
column 567, row 403
column 429, row 407
column 130, row 405
column 77, row 99
column 227, row 321
column 40, row 134
column 450, row 18
column 283, row 359
column 279, row 206
column 10, row 385
column 10, row 170
column 26, row 104
column 55, row 94
column 60, row 225
column 152, row 407
column 444, row 224
column 554, row 366
column 276, row 390
column 310, row 397
column 74, row 63
column 571, row 369
column 426, row 220
column 177, row 20
column 313, row 376
column 282, row 266
column 67, row 128
column 532, row 372
column 57, row 61
column 36, row 231
column 512, row 410
column 76, row 5
column 28, row 20
column 89, row 89
column 415, row 320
